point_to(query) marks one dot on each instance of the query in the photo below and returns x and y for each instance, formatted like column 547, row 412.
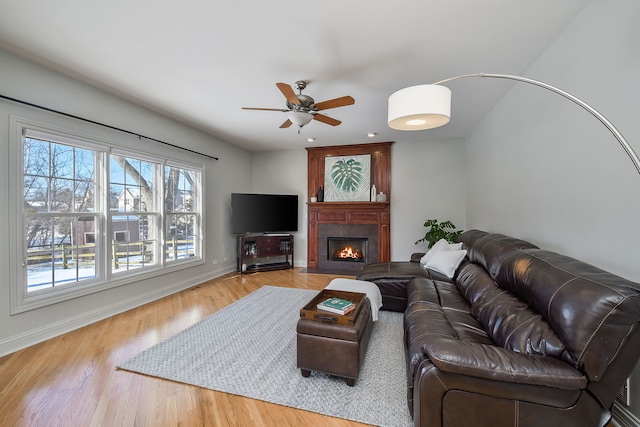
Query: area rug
column 249, row 348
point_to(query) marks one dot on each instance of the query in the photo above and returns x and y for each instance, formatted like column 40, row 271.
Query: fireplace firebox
column 347, row 249
column 358, row 241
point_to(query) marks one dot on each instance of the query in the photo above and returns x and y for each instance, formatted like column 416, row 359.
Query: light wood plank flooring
column 72, row 380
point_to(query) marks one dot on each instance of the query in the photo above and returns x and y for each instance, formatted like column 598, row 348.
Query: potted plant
column 439, row 230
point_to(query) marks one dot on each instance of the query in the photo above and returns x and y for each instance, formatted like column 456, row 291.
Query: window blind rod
column 104, row 125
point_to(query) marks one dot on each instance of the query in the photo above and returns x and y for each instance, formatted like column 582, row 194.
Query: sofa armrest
column 417, row 256
column 500, row 364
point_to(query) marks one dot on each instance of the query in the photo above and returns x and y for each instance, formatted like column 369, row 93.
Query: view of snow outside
column 42, row 276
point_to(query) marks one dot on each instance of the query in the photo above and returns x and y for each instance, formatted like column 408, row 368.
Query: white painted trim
column 35, row 336
column 622, row 416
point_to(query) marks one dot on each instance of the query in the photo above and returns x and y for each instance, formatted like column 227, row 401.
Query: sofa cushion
column 510, row 322
column 491, row 249
column 436, row 292
column 392, row 279
column 587, row 307
column 469, row 237
column 426, row 318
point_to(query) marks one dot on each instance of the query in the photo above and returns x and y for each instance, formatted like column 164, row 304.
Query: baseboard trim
column 622, row 416
column 38, row 335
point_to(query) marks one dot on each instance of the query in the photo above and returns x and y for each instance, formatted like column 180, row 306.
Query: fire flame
column 349, row 252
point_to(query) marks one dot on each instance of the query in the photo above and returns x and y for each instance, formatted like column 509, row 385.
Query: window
column 58, row 198
column 75, row 238
column 134, row 187
column 181, row 208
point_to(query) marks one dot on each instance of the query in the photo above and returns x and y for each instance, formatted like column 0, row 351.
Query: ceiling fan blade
column 288, row 93
column 326, row 119
column 264, row 109
column 286, row 124
column 333, row 103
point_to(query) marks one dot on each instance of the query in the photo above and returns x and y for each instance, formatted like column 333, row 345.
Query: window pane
column 182, row 236
column 83, row 247
column 132, row 184
column 130, row 249
column 84, row 164
column 35, row 194
column 54, row 256
column 61, row 161
column 36, row 157
column 53, row 179
column 115, row 191
column 116, row 170
column 84, row 196
column 61, row 195
column 179, row 189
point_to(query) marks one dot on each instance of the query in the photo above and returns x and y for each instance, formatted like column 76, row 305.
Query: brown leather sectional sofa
column 519, row 337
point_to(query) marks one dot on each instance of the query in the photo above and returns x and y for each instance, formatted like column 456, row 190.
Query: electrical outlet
column 214, row 262
column 225, row 259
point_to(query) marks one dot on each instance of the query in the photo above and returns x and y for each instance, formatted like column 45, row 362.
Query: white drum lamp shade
column 420, row 107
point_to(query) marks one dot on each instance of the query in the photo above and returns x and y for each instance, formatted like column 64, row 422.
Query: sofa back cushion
column 509, row 321
column 490, row 249
column 469, row 237
column 591, row 311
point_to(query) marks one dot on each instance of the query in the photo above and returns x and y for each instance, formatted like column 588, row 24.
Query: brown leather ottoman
column 334, row 348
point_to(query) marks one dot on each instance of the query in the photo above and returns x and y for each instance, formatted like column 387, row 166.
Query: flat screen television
column 264, row 213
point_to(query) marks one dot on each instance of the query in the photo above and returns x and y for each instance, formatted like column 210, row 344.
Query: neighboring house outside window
column 76, row 235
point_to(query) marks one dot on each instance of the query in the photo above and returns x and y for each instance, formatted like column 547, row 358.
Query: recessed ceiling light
column 371, row 134
column 310, row 139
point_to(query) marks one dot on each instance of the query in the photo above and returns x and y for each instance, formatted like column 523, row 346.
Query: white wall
column 428, row 180
column 285, row 172
column 24, row 80
column 541, row 168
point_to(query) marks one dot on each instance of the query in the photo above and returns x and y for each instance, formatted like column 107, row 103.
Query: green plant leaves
column 439, row 230
column 347, row 175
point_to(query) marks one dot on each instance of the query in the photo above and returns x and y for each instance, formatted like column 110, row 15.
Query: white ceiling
column 201, row 61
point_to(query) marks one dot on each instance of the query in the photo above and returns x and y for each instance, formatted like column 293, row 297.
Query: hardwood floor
column 72, row 380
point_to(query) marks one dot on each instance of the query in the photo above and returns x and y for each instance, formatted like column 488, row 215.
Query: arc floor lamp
column 429, row 106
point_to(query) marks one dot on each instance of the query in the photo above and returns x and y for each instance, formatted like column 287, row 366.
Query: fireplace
column 335, row 238
column 349, row 219
column 349, row 249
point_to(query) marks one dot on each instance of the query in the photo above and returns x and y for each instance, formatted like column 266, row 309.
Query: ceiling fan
column 302, row 108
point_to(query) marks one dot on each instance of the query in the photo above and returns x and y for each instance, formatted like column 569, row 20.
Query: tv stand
column 264, row 252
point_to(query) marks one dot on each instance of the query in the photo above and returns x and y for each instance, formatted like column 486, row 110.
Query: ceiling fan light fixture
column 299, row 118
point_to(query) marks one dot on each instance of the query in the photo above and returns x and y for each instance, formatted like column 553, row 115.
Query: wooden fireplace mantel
column 350, row 212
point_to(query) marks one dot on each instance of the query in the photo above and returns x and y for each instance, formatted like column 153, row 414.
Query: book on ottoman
column 313, row 312
column 336, row 305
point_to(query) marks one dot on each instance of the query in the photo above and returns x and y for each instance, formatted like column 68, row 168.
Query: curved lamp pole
column 429, row 106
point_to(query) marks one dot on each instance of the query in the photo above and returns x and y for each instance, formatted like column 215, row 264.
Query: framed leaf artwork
column 347, row 178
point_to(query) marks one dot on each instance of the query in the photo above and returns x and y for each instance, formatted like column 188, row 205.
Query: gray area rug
column 249, row 348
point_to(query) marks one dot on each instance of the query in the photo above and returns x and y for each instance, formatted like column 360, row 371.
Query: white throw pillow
column 454, row 246
column 440, row 245
column 446, row 262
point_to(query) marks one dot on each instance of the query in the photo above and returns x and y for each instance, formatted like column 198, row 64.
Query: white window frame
column 21, row 300
column 198, row 211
